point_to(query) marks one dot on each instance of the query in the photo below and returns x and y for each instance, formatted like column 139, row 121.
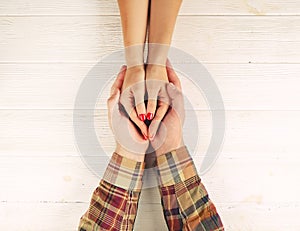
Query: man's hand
column 167, row 136
column 132, row 96
column 130, row 141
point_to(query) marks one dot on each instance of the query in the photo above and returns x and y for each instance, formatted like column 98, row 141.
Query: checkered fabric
column 114, row 202
column 186, row 204
column 125, row 173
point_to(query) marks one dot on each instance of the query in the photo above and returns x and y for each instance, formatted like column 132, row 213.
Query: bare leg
column 134, row 17
column 163, row 14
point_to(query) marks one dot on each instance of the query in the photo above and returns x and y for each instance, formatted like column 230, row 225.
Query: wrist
column 154, row 71
column 133, row 75
column 137, row 69
column 137, row 156
column 168, row 148
column 157, row 53
column 156, row 67
column 134, row 55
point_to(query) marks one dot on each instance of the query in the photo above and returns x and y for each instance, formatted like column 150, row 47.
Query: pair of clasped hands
column 163, row 129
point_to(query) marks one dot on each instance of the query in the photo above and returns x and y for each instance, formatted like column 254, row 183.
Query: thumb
column 177, row 102
column 173, row 91
column 113, row 99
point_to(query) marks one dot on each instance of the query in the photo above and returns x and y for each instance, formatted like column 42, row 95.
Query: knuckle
column 140, row 107
column 151, row 104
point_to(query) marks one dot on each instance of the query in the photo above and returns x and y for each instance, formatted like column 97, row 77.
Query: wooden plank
column 260, row 218
column 65, row 217
column 210, row 39
column 47, row 47
column 50, row 133
column 68, row 179
column 108, row 7
column 242, row 86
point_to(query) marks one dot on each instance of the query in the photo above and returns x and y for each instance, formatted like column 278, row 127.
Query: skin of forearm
column 134, row 17
column 163, row 14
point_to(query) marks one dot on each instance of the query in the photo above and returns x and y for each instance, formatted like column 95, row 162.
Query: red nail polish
column 142, row 117
column 145, row 137
column 149, row 116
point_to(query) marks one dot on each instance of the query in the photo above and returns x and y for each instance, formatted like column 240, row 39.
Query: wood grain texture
column 244, row 217
column 242, row 86
column 210, row 39
column 249, row 47
column 69, row 180
column 249, row 134
column 66, row 182
column 110, row 7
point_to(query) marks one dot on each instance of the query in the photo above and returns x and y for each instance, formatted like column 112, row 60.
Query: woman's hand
column 132, row 96
column 158, row 99
column 130, row 142
column 169, row 136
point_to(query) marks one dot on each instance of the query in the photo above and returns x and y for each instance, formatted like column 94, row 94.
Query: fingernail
column 145, row 137
column 172, row 85
column 123, row 67
column 142, row 117
column 151, row 137
column 149, row 116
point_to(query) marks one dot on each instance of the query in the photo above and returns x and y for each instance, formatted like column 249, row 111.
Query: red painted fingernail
column 149, row 116
column 142, row 117
column 145, row 137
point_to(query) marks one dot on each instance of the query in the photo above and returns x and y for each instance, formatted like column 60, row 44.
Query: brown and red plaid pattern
column 125, row 173
column 114, row 202
column 186, row 204
column 184, row 199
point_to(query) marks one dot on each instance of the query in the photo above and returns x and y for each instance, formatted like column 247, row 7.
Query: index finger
column 119, row 80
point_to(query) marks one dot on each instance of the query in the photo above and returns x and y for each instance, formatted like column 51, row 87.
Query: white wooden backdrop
column 250, row 47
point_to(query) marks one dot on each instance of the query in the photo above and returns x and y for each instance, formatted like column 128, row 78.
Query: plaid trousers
column 184, row 199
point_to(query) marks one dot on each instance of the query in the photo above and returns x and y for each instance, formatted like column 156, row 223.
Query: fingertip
column 141, row 125
column 145, row 137
column 122, row 71
column 172, row 86
column 144, row 132
column 123, row 67
column 149, row 116
column 171, row 89
column 153, row 129
column 142, row 117
column 152, row 136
